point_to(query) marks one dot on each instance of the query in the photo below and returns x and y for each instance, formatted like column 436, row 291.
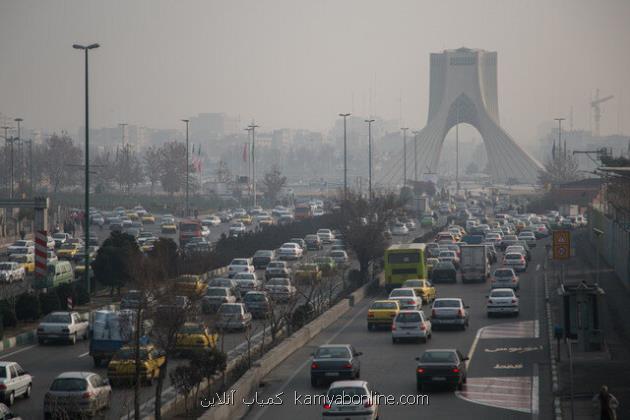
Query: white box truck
column 474, row 263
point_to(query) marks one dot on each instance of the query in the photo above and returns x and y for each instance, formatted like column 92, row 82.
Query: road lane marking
column 471, row 352
column 260, row 412
column 18, row 351
column 535, row 391
column 519, row 329
column 84, row 354
column 537, row 267
column 492, row 392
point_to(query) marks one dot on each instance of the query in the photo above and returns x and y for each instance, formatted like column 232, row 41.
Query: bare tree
column 559, row 169
column 152, row 165
column 127, row 168
column 273, row 182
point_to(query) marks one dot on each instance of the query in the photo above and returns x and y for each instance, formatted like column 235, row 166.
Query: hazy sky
column 298, row 63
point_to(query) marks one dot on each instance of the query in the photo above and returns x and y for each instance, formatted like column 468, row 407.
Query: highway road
column 508, row 371
column 46, row 362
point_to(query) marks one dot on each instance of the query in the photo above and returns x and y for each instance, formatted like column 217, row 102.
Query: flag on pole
column 245, row 152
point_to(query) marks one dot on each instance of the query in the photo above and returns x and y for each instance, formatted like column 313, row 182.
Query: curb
column 557, row 408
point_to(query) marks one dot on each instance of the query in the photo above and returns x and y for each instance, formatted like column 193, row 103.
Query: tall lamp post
column 564, row 154
column 415, row 155
column 7, row 140
column 253, row 127
column 370, row 121
column 404, row 130
column 345, row 156
column 20, row 166
column 187, row 168
column 86, row 212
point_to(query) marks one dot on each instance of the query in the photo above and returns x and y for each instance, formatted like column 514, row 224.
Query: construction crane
column 597, row 112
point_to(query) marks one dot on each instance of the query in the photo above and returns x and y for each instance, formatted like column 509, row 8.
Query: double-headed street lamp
column 86, row 215
column 370, row 121
column 415, row 155
column 345, row 156
column 253, row 128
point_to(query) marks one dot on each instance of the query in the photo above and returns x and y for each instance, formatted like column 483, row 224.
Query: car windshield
column 57, row 318
column 254, row 297
column 230, row 309
column 69, row 384
column 193, row 329
column 239, row 262
column 513, row 256
column 413, row 283
column 438, row 357
column 384, row 305
column 447, row 254
column 408, row 317
column 444, row 266
column 6, row 266
column 446, row 303
column 216, row 292
column 332, row 353
column 502, row 293
column 401, row 292
column 278, row 282
column 263, row 254
column 338, row 254
column 503, row 273
column 275, row 265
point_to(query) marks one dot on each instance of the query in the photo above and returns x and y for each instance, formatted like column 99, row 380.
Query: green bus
column 403, row 262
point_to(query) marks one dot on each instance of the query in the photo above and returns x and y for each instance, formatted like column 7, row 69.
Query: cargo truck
column 109, row 331
column 474, row 263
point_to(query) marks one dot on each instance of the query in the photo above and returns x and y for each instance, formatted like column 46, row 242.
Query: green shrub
column 49, row 302
column 27, row 307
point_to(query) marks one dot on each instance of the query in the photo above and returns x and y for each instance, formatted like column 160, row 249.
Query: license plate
column 439, row 378
column 332, row 373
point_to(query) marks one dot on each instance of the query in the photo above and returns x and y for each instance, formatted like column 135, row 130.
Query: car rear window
column 408, row 317
column 254, row 297
column 345, row 394
column 397, row 293
column 384, row 305
column 230, row 309
column 513, row 256
column 278, row 282
column 438, row 357
column 216, row 292
column 503, row 273
column 446, row 303
column 57, row 319
column 502, row 293
column 69, row 384
column 333, row 353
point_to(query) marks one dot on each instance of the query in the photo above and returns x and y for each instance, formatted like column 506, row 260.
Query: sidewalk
column 594, row 369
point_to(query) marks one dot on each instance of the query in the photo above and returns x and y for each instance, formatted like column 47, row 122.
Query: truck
column 567, row 210
column 109, row 331
column 474, row 263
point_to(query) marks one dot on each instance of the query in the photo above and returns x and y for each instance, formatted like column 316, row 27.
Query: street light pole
column 86, row 212
column 370, row 121
column 20, row 154
column 564, row 155
column 404, row 130
column 187, row 169
column 345, row 156
column 6, row 129
column 415, row 155
column 253, row 127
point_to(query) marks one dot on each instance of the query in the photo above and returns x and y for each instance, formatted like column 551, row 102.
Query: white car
column 528, row 237
column 326, row 235
column 240, row 265
column 407, row 298
column 280, row 289
column 237, row 229
column 14, row 382
column 399, row 229
column 290, row 251
column 62, row 326
column 233, row 316
column 351, row 399
column 515, row 260
column 247, row 282
column 80, row 394
column 411, row 325
column 205, row 232
column 502, row 301
column 18, row 247
column 211, row 221
column 11, row 271
column 50, row 242
column 61, row 238
column 340, row 257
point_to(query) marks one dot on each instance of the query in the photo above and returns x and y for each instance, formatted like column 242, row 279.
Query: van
column 59, row 272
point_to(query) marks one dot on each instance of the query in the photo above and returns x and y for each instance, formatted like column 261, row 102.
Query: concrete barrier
column 248, row 383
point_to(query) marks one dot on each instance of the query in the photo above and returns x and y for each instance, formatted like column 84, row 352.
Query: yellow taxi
column 148, row 218
column 308, row 273
column 147, row 246
column 69, row 251
column 423, row 288
column 381, row 313
column 246, row 220
column 132, row 215
column 190, row 285
column 169, row 227
column 122, row 367
column 25, row 260
column 194, row 336
column 265, row 221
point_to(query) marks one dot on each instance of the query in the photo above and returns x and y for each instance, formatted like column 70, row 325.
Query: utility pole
column 7, row 140
column 86, row 212
column 253, row 127
column 187, row 170
column 564, row 155
column 20, row 151
column 345, row 156
column 249, row 163
column 370, row 121
column 457, row 150
column 415, row 155
column 404, row 130
column 30, row 167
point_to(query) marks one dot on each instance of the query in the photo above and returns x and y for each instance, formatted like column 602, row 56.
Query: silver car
column 411, row 325
column 83, row 393
column 407, row 298
column 351, row 400
column 233, row 316
column 14, row 382
column 502, row 301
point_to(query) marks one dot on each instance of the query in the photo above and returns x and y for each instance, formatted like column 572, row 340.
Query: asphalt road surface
column 508, row 373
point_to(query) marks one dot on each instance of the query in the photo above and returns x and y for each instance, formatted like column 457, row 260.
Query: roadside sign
column 561, row 244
